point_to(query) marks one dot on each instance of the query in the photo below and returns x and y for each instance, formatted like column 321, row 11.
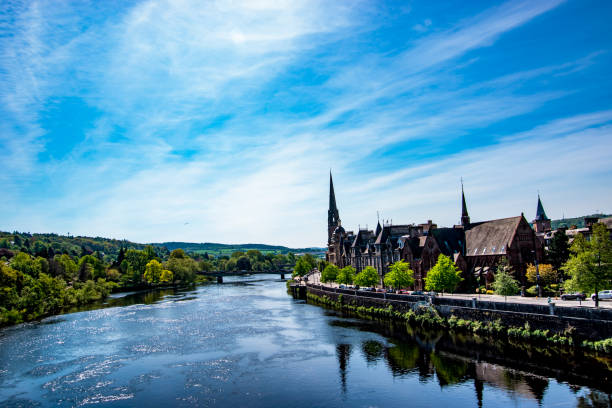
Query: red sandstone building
column 476, row 248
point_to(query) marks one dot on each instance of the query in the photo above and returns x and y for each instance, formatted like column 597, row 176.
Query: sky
column 219, row 121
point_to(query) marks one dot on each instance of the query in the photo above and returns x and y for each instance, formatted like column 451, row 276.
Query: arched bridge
column 220, row 274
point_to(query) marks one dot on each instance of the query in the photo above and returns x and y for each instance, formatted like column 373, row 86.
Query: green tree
column 25, row 264
column 184, row 269
column 178, row 253
column 399, row 276
column 346, row 275
column 558, row 250
column 367, row 277
column 590, row 265
column 504, row 284
column 243, row 263
column 153, row 272
column 444, row 276
column 302, row 267
column 330, row 273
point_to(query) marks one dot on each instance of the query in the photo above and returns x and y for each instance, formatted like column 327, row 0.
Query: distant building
column 476, row 248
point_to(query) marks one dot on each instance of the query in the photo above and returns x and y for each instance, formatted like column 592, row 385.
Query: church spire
column 333, row 217
column 541, row 224
column 540, row 213
column 465, row 218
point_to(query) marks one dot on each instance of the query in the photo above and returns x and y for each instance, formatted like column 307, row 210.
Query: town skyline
column 159, row 121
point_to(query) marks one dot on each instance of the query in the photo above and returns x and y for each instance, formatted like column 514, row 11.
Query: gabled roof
column 395, row 231
column 450, row 240
column 491, row 237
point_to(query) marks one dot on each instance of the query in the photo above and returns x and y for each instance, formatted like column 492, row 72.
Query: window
column 484, row 250
column 493, row 250
column 475, row 251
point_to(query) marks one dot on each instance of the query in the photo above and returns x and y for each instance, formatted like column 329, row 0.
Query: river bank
column 512, row 323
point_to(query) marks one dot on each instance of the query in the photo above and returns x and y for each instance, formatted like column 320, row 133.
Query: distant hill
column 77, row 245
column 577, row 221
column 227, row 249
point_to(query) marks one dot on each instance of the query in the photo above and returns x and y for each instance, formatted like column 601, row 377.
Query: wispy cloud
column 219, row 121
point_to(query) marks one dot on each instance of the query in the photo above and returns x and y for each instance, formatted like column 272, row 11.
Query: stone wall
column 589, row 323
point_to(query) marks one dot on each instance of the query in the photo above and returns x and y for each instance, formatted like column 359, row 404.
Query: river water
column 247, row 343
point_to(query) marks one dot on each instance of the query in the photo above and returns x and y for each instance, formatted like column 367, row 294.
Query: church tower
column 465, row 218
column 541, row 224
column 333, row 218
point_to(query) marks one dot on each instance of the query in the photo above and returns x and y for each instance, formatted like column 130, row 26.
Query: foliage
column 346, row 275
column 183, row 269
column 590, row 265
column 444, row 276
column 153, row 272
column 548, row 274
column 399, row 276
column 330, row 273
column 24, row 297
column 558, row 250
column 505, row 284
column 367, row 277
column 302, row 267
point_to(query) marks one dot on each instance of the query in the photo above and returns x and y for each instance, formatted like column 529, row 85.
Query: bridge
column 220, row 274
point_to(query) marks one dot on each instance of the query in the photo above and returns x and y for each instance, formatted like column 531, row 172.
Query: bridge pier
column 219, row 279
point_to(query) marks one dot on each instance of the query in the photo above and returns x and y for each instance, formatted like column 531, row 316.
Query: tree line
column 37, row 279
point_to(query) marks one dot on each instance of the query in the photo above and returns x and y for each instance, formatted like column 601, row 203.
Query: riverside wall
column 589, row 323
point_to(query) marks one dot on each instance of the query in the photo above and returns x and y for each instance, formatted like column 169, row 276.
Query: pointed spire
column 540, row 213
column 465, row 217
column 333, row 217
column 332, row 195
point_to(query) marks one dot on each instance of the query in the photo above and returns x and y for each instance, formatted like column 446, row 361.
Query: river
column 246, row 343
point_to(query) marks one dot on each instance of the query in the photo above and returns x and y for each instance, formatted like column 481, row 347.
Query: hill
column 41, row 244
column 577, row 221
column 227, row 249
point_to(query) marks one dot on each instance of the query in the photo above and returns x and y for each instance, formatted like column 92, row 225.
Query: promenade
column 315, row 278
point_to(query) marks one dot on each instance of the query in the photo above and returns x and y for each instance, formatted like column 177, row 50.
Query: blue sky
column 218, row 121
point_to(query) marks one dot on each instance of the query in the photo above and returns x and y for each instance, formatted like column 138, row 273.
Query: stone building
column 476, row 248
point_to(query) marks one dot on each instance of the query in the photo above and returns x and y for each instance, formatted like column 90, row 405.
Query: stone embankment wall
column 589, row 323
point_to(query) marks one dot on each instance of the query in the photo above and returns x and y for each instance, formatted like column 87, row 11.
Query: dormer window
column 475, row 251
column 484, row 250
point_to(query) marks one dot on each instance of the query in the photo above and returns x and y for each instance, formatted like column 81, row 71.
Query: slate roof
column 490, row 237
column 540, row 213
column 450, row 240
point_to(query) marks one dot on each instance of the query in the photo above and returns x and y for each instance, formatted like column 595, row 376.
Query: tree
column 399, row 276
column 330, row 273
column 504, row 284
column 548, row 274
column 153, row 272
column 166, row 276
column 590, row 265
column 178, row 253
column 243, row 263
column 558, row 250
column 302, row 267
column 22, row 262
column 367, row 277
column 444, row 276
column 346, row 275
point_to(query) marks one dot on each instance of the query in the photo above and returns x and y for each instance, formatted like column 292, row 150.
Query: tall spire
column 333, row 217
column 465, row 217
column 540, row 213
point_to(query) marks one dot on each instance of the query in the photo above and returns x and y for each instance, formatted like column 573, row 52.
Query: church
column 475, row 247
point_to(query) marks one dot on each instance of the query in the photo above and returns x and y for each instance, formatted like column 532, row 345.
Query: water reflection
column 245, row 343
